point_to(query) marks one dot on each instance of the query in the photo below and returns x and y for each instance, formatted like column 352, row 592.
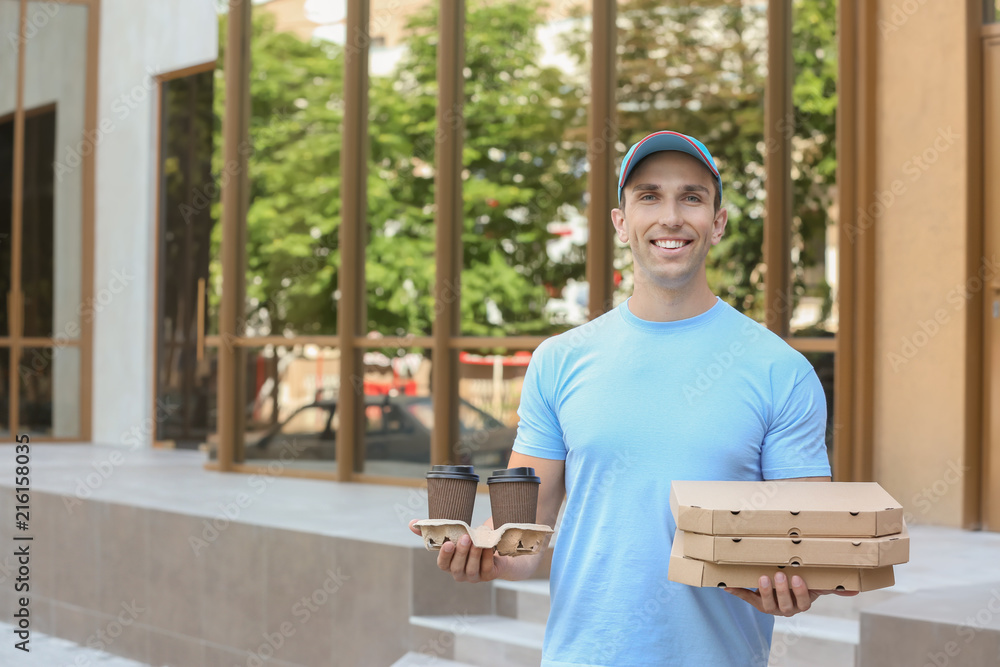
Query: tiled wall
column 170, row 589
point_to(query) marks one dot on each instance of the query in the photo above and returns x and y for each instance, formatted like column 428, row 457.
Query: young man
column 672, row 384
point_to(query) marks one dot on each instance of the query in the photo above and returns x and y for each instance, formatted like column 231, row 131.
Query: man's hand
column 469, row 563
column 782, row 599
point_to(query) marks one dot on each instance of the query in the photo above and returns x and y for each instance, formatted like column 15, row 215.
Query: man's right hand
column 469, row 563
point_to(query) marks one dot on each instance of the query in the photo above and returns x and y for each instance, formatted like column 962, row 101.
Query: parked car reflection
column 397, row 428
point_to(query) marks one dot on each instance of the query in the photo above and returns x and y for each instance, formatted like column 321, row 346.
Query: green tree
column 522, row 165
column 296, row 113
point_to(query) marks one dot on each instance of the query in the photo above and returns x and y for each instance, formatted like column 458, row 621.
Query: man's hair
column 631, row 175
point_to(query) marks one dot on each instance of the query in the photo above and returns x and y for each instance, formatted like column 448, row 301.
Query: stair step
column 414, row 659
column 814, row 640
column 489, row 640
column 523, row 600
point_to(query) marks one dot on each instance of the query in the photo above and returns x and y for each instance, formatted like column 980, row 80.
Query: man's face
column 669, row 220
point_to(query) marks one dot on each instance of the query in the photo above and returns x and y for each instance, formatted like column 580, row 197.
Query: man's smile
column 670, row 244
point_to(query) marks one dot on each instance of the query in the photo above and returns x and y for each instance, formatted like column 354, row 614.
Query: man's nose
column 671, row 214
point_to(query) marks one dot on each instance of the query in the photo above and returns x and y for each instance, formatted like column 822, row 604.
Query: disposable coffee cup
column 451, row 492
column 513, row 495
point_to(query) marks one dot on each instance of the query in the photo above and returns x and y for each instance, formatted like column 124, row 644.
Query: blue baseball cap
column 666, row 141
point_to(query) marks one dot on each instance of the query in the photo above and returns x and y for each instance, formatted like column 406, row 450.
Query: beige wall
column 920, row 332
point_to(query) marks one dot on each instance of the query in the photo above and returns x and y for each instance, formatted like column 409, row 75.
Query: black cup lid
column 523, row 474
column 453, row 472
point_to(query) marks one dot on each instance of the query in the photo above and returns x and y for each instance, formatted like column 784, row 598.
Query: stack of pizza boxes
column 835, row 535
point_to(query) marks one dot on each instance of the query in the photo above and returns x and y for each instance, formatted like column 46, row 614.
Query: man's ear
column 618, row 220
column 719, row 225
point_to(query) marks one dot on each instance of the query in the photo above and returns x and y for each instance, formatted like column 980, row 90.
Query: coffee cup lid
column 523, row 474
column 453, row 472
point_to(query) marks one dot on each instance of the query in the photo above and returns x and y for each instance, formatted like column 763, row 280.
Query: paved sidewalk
column 49, row 651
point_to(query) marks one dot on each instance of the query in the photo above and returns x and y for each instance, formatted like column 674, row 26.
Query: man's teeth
column 673, row 245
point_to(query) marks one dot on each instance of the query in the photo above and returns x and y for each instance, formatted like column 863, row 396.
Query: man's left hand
column 784, row 598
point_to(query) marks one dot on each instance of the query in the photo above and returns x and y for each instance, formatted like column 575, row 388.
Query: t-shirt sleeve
column 538, row 430
column 795, row 443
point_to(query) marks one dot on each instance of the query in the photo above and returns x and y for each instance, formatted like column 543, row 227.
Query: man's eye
column 646, row 195
column 694, row 198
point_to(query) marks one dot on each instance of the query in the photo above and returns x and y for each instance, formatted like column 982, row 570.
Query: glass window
column 525, row 169
column 398, row 412
column 49, row 391
column 402, row 133
column 54, row 146
column 9, row 16
column 4, row 393
column 814, row 169
column 291, row 406
column 296, row 114
column 489, row 388
column 6, row 221
column 311, row 419
column 186, row 386
column 38, row 227
column 823, row 364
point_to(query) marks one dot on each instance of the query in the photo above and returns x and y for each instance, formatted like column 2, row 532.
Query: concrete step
column 814, row 640
column 50, row 650
column 414, row 659
column 523, row 600
column 483, row 641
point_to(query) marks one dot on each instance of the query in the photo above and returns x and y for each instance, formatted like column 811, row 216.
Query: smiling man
column 671, row 188
column 672, row 384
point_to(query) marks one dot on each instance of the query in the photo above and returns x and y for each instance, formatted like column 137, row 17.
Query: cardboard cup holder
column 510, row 539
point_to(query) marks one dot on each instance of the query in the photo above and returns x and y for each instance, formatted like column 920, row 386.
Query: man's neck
column 659, row 304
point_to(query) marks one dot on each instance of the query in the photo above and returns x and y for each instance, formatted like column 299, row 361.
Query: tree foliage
column 520, row 172
column 698, row 66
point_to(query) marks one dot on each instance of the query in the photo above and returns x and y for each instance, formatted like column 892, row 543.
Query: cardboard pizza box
column 796, row 551
column 705, row 574
column 796, row 509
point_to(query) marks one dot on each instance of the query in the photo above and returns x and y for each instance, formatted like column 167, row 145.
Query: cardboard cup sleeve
column 451, row 492
column 451, row 499
column 513, row 496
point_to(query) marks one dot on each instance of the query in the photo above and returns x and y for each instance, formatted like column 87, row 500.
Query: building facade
column 130, row 320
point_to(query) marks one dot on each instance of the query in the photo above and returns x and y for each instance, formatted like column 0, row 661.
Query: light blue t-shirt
column 631, row 405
